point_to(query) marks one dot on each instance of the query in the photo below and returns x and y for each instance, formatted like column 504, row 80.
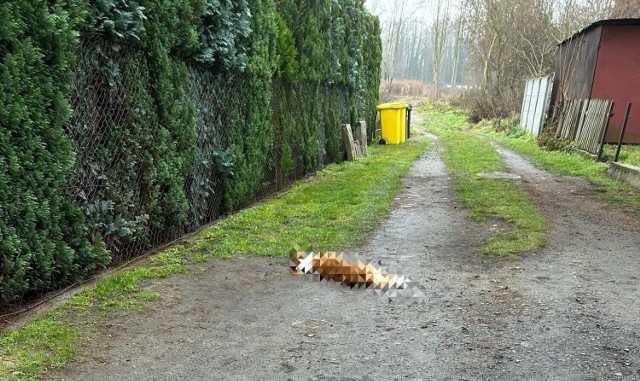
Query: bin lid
column 396, row 105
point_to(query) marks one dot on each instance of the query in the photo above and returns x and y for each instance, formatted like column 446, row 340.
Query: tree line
column 491, row 46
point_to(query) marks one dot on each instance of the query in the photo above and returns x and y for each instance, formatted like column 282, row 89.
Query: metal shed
column 602, row 61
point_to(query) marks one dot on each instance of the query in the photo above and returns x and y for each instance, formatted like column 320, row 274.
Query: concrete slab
column 625, row 172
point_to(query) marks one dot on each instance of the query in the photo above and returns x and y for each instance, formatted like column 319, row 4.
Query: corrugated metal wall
column 537, row 97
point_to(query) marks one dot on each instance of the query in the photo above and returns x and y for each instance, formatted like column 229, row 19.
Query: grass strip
column 334, row 210
column 571, row 164
column 629, row 154
column 466, row 156
column 55, row 339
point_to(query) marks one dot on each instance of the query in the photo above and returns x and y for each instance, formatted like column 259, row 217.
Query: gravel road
column 568, row 312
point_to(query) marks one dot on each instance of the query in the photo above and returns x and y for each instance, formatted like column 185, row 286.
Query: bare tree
column 534, row 43
column 503, row 42
column 440, row 34
column 626, row 9
column 457, row 47
column 393, row 30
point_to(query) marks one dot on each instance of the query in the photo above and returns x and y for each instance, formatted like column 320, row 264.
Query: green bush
column 117, row 20
column 133, row 97
column 43, row 243
column 251, row 139
column 310, row 23
column 183, row 110
column 221, row 26
column 371, row 72
column 550, row 142
column 287, row 54
column 339, row 52
column 324, row 77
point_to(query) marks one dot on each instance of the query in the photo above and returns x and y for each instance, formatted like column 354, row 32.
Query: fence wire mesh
column 108, row 160
column 113, row 134
column 217, row 101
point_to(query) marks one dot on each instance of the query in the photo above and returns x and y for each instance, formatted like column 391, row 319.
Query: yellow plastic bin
column 393, row 118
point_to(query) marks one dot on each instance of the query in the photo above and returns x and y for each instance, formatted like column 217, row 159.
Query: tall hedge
column 43, row 242
column 132, row 101
column 371, row 74
column 339, row 68
column 250, row 140
column 183, row 110
column 169, row 38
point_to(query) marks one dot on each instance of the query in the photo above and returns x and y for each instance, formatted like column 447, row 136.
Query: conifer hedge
column 149, row 152
column 43, row 242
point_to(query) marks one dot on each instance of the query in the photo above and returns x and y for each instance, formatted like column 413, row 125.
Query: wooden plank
column 561, row 118
column 600, row 124
column 591, row 118
column 361, row 137
column 591, row 121
column 581, row 121
column 347, row 139
column 582, row 118
column 584, row 136
column 587, row 135
column 571, row 112
column 603, row 127
column 587, row 143
column 592, row 133
column 574, row 110
column 566, row 116
column 583, row 125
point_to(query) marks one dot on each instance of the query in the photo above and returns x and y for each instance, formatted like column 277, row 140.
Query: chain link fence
column 114, row 135
column 109, row 158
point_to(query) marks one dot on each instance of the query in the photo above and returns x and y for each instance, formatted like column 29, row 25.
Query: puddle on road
column 499, row 175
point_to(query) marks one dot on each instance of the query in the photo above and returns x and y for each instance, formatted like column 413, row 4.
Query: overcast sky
column 417, row 9
column 383, row 8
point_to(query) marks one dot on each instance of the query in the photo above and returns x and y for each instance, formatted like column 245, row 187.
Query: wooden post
column 347, row 138
column 361, row 136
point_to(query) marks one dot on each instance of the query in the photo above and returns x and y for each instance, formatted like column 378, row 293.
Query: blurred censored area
column 355, row 273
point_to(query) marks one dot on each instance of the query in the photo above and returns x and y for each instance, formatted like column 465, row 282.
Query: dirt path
column 569, row 312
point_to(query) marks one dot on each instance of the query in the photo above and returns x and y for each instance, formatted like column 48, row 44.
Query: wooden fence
column 583, row 121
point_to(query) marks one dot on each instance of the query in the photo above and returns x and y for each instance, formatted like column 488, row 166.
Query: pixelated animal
column 348, row 271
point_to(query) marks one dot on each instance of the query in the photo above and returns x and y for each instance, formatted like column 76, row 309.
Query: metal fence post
column 604, row 134
column 622, row 131
column 409, row 108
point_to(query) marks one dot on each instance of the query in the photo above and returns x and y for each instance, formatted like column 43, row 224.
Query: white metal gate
column 537, row 96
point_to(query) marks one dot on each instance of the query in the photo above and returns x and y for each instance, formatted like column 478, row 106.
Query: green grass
column 58, row 337
column 572, row 164
column 44, row 341
column 334, row 210
column 629, row 154
column 466, row 156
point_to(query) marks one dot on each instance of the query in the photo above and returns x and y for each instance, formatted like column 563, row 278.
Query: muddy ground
column 568, row 312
